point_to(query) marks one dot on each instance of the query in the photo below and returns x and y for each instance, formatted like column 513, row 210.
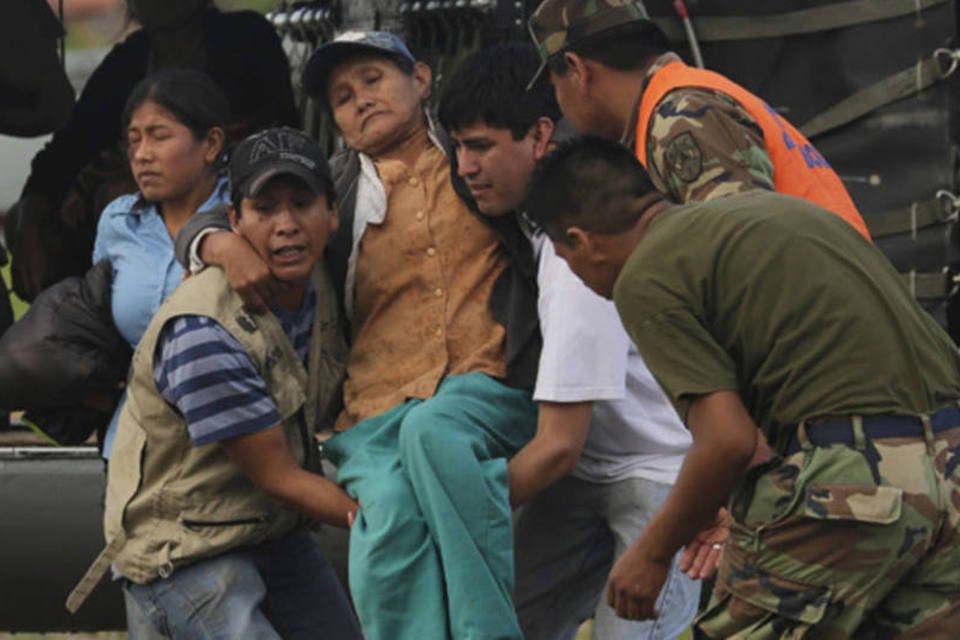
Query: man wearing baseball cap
column 215, row 443
column 443, row 320
column 699, row 135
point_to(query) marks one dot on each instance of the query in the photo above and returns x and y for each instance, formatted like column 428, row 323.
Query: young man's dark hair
column 624, row 48
column 588, row 174
column 484, row 90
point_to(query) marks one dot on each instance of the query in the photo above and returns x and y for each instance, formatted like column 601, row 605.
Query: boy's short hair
column 489, row 87
column 589, row 182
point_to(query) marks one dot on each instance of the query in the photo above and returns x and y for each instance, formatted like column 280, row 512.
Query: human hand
column 352, row 515
column 702, row 555
column 635, row 582
column 246, row 271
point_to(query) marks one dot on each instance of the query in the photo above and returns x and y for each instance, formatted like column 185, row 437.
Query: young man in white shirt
column 609, row 444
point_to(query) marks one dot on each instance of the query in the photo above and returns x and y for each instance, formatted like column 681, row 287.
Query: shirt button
column 420, row 215
column 413, row 182
column 439, row 332
column 438, row 292
column 431, row 251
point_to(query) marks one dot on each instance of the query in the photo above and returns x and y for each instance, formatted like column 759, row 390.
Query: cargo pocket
column 752, row 599
column 205, row 534
column 212, row 525
column 764, row 605
column 857, row 502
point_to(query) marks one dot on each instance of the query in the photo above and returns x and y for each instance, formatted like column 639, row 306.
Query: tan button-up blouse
column 421, row 293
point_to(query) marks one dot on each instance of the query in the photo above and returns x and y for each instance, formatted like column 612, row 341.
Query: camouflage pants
column 845, row 541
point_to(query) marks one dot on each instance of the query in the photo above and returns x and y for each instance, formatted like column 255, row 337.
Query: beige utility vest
column 169, row 502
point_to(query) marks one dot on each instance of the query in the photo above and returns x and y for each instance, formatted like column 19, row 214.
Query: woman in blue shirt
column 175, row 122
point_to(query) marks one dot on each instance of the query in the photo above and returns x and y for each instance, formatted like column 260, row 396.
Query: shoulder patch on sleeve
column 683, row 157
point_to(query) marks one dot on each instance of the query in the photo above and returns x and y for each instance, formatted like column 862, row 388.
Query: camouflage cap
column 556, row 24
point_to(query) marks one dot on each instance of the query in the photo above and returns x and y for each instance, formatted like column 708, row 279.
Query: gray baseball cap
column 274, row 152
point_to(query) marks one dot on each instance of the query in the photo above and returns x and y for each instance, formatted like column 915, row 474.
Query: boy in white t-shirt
column 609, row 444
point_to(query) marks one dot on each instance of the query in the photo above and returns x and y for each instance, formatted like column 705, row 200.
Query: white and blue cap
column 349, row 43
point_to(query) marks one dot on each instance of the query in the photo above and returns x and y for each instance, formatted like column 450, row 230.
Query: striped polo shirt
column 204, row 373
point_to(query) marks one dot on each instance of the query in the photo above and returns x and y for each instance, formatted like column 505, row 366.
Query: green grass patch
column 19, row 306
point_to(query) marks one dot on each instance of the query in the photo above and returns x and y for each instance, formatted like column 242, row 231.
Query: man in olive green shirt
column 764, row 311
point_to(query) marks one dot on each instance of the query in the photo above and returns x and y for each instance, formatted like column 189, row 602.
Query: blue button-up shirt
column 132, row 235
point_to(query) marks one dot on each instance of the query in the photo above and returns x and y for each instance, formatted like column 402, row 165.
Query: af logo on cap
column 274, row 144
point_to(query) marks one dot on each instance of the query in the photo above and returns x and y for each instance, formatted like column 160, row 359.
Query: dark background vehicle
column 51, row 501
column 874, row 80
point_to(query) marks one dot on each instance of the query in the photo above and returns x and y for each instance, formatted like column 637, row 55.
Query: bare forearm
column 724, row 442
column 313, row 495
column 703, row 486
column 705, row 480
column 554, row 451
column 534, row 469
column 266, row 460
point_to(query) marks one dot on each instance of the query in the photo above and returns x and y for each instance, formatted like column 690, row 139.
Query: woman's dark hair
column 191, row 96
column 624, row 48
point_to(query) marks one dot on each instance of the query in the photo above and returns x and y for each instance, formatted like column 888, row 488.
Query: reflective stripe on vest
column 798, row 168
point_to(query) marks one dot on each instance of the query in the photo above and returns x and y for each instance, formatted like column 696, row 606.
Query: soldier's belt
column 853, row 431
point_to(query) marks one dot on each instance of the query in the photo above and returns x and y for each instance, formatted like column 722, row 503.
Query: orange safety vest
column 798, row 168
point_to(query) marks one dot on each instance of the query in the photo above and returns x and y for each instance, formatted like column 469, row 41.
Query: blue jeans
column 281, row 589
column 568, row 538
column 431, row 551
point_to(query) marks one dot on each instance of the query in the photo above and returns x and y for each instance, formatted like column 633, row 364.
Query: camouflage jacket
column 728, row 139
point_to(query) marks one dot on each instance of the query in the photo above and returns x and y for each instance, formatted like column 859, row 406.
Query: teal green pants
column 431, row 551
